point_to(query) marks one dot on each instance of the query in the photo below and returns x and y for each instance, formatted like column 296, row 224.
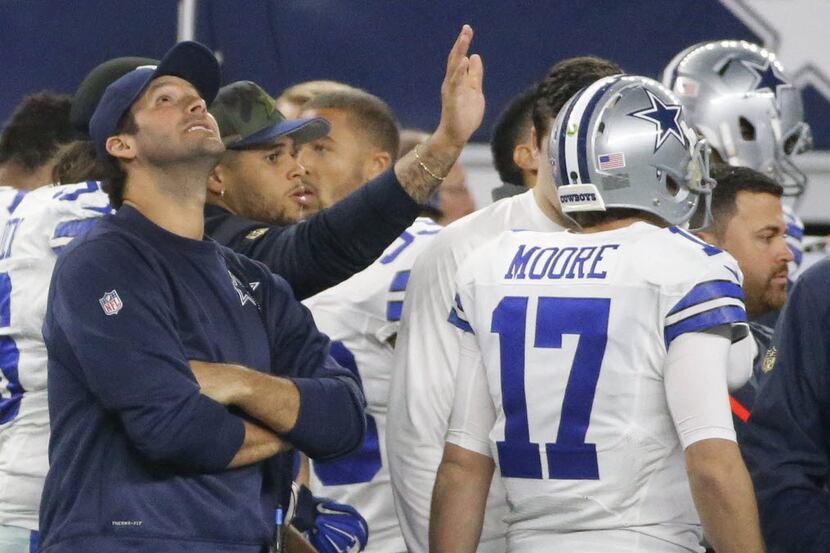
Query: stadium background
column 397, row 49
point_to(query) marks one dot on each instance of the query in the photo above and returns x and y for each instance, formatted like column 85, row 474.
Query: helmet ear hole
column 601, row 128
column 747, row 129
column 671, row 186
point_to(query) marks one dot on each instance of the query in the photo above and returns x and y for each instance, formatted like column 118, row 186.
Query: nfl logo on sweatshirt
column 111, row 303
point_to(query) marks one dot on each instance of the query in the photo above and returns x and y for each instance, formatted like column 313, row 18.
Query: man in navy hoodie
column 178, row 370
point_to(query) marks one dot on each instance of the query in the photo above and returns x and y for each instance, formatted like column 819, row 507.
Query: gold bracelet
column 425, row 168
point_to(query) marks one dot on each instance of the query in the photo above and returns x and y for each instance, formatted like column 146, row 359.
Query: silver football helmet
column 739, row 98
column 624, row 142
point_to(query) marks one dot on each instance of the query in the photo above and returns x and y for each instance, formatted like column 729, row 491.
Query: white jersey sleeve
column 426, row 355
column 361, row 316
column 695, row 380
column 473, row 412
column 45, row 221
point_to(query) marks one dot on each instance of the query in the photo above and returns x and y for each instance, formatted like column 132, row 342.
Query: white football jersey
column 426, row 356
column 361, row 316
column 9, row 200
column 573, row 332
column 45, row 221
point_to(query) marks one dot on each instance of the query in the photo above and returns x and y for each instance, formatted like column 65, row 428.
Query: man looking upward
column 152, row 332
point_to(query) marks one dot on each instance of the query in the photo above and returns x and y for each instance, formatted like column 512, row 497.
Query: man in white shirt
column 427, row 348
column 593, row 367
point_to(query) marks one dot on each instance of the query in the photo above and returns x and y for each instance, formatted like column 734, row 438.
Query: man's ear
column 377, row 164
column 121, row 146
column 526, row 156
column 217, row 180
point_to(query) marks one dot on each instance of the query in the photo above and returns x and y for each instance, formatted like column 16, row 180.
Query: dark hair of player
column 33, row 133
column 511, row 125
column 562, row 81
column 77, row 162
column 731, row 181
column 368, row 114
column 115, row 179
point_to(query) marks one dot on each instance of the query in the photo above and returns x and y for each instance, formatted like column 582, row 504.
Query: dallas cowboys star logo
column 242, row 291
column 791, row 29
column 665, row 116
column 767, row 77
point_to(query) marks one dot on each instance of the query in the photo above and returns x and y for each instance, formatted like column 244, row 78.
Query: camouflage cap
column 247, row 116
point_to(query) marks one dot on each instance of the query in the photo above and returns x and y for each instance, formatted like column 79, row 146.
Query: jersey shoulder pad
column 673, row 257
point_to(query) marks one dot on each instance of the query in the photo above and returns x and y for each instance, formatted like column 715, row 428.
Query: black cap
column 91, row 89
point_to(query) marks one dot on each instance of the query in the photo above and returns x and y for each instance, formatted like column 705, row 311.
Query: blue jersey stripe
column 708, row 291
column 394, row 309
column 459, row 322
column 708, row 319
column 34, row 539
column 798, row 255
column 16, row 201
column 795, row 231
column 72, row 229
column 399, row 281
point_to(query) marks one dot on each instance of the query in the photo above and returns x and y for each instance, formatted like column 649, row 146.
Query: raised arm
column 344, row 239
column 462, row 109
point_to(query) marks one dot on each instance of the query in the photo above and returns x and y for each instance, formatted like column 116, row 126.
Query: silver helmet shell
column 624, row 142
column 741, row 100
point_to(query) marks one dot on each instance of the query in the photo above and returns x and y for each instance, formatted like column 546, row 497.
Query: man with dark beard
column 748, row 222
column 258, row 176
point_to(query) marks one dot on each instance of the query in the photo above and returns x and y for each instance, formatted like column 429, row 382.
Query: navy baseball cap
column 248, row 116
column 191, row 61
column 91, row 89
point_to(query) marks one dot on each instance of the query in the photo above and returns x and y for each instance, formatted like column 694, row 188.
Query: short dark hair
column 561, row 82
column 115, row 178
column 370, row 115
column 732, row 180
column 512, row 123
column 36, row 129
column 77, row 162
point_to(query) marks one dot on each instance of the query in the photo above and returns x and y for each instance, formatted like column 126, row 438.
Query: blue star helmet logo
column 767, row 78
column 666, row 117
